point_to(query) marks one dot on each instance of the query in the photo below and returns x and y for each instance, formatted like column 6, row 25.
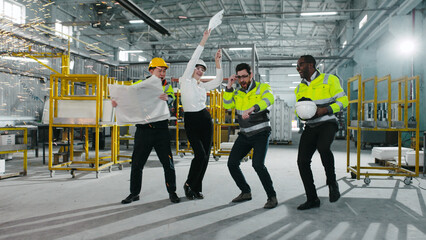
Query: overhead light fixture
column 296, row 82
column 136, row 21
column 407, row 46
column 317, row 13
column 239, row 49
column 141, row 21
column 138, row 12
column 294, row 64
column 292, row 87
column 293, row 75
column 23, row 59
column 363, row 21
column 132, row 51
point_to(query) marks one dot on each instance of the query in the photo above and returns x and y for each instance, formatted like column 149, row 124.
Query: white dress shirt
column 193, row 93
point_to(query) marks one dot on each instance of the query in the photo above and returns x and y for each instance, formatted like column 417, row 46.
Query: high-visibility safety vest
column 258, row 95
column 325, row 91
column 167, row 88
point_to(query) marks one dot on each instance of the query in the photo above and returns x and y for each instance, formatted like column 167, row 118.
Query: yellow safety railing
column 404, row 101
column 219, row 116
column 95, row 89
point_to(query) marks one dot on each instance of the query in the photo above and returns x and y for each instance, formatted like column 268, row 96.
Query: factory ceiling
column 280, row 30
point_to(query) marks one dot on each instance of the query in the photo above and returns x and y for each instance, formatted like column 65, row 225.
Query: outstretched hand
column 321, row 111
column 113, row 103
column 218, row 58
column 206, row 36
column 246, row 113
column 231, row 80
column 218, row 55
column 164, row 97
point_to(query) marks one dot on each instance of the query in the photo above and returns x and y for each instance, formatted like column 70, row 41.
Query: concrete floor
column 40, row 207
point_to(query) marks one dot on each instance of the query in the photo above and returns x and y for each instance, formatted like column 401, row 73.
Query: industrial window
column 63, row 31
column 12, row 11
column 123, row 56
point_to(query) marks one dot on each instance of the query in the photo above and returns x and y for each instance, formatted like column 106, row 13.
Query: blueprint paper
column 139, row 103
column 216, row 20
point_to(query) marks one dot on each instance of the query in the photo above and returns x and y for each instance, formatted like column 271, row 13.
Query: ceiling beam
column 138, row 12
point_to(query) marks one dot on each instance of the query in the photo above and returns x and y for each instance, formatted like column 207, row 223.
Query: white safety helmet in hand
column 201, row 63
column 306, row 109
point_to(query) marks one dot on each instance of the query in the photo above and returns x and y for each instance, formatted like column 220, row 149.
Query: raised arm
column 212, row 84
column 195, row 56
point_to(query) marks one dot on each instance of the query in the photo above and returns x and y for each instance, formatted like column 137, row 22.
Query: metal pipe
column 138, row 12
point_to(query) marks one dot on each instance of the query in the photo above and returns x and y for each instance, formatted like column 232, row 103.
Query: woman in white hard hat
column 198, row 122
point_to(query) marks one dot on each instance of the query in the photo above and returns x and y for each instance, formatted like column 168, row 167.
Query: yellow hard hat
column 158, row 62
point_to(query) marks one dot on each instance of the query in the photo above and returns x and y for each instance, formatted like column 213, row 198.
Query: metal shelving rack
column 16, row 148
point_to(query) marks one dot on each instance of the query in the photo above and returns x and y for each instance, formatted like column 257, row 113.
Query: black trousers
column 316, row 138
column 199, row 130
column 242, row 146
column 145, row 140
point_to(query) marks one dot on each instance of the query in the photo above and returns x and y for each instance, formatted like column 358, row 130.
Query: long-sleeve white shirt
column 193, row 93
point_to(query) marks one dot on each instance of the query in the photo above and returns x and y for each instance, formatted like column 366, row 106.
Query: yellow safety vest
column 260, row 96
column 325, row 91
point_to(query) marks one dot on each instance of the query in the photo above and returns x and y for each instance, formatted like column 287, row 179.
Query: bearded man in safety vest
column 251, row 101
column 319, row 132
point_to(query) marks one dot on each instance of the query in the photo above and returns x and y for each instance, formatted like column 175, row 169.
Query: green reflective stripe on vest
column 297, row 89
column 255, row 127
column 239, row 112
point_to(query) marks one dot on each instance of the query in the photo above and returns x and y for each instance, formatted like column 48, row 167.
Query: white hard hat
column 201, row 63
column 306, row 109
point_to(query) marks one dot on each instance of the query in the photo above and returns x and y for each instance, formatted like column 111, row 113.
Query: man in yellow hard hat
column 152, row 135
column 167, row 88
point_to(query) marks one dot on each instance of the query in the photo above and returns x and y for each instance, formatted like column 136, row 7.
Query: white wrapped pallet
column 387, row 153
column 280, row 116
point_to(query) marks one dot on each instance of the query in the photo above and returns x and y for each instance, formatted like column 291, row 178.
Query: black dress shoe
column 174, row 198
column 130, row 199
column 309, row 204
column 198, row 195
column 334, row 192
column 188, row 192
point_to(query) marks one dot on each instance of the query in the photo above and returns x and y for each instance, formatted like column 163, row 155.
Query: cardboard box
column 7, row 139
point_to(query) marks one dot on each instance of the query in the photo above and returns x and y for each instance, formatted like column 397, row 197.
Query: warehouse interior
column 65, row 162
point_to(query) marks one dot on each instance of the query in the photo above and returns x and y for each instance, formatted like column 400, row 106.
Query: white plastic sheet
column 139, row 103
column 216, row 20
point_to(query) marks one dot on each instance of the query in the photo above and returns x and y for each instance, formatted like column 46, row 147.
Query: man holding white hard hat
column 319, row 96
